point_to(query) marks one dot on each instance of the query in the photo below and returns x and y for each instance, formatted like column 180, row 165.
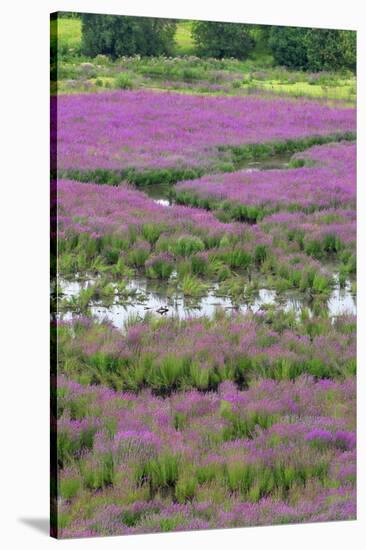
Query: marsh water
column 158, row 298
column 144, row 296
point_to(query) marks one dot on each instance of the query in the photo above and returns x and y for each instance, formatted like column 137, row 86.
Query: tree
column 117, row 35
column 330, row 49
column 313, row 49
column 220, row 40
column 349, row 42
column 288, row 46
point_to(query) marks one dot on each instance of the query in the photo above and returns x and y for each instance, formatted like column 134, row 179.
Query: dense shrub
column 329, row 49
column 68, row 14
column 116, row 35
column 288, row 46
column 214, row 39
column 313, row 49
column 124, row 82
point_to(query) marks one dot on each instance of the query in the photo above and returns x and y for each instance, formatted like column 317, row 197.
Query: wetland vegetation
column 203, row 299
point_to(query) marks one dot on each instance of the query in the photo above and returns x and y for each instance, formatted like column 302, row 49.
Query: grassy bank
column 229, row 159
column 186, row 72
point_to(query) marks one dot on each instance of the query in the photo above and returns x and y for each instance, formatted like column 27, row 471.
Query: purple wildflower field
column 143, row 129
column 83, row 208
column 330, row 183
column 226, row 419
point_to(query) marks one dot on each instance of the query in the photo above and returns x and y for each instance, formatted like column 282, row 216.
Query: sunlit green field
column 187, row 73
column 69, row 34
column 183, row 38
column 343, row 90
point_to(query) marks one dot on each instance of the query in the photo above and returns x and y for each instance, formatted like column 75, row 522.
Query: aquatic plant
column 205, row 422
column 202, row 353
column 293, row 458
column 148, row 130
column 249, row 196
column 160, row 266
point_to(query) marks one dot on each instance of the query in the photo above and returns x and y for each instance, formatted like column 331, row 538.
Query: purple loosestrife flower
column 84, row 209
column 318, row 187
column 133, row 433
column 345, row 440
column 144, row 129
column 319, row 436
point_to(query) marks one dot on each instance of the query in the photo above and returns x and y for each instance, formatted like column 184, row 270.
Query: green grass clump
column 138, row 255
column 259, row 481
column 160, row 473
column 124, row 82
column 199, row 265
column 185, row 489
column 235, row 287
column 131, row 175
column 98, row 475
column 69, row 487
column 166, row 374
column 244, row 426
column 159, row 267
column 100, row 291
column 151, row 232
column 191, row 286
column 70, row 445
column 186, row 245
column 237, row 258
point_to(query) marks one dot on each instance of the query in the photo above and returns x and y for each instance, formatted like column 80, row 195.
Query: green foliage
column 117, row 35
column 237, row 258
column 288, row 47
column 160, row 473
column 349, row 49
column 124, row 82
column 240, row 477
column 235, row 287
column 258, row 481
column 191, row 286
column 69, row 487
column 159, row 268
column 313, row 49
column 69, row 446
column 165, row 375
column 185, row 489
column 220, row 40
column 200, row 376
column 138, row 255
column 187, row 245
column 166, row 372
column 199, row 265
column 244, row 425
column 260, row 253
column 151, row 232
column 65, row 36
column 330, row 49
column 209, row 472
column 98, row 475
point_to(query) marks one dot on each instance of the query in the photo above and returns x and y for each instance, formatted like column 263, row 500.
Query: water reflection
column 159, row 299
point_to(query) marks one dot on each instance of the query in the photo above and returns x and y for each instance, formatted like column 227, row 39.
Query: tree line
column 293, row 47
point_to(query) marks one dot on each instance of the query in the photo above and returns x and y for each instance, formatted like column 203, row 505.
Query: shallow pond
column 151, row 297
